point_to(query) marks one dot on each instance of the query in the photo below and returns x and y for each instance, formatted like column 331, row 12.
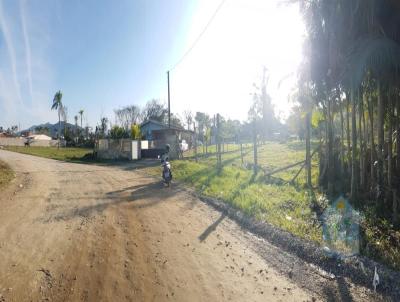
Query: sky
column 105, row 54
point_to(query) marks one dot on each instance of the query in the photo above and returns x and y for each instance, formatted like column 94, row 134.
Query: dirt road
column 74, row 232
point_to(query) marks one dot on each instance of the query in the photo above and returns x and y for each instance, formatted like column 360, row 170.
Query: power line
column 200, row 35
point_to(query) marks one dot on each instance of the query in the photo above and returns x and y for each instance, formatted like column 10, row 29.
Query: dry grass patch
column 6, row 174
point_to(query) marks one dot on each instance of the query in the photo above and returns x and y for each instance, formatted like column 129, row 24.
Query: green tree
column 58, row 105
column 118, row 132
column 80, row 112
column 135, row 132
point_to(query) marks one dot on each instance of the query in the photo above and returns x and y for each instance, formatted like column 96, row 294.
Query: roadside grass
column 289, row 206
column 65, row 154
column 273, row 200
column 6, row 174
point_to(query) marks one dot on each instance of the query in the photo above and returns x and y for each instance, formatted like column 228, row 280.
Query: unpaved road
column 74, row 232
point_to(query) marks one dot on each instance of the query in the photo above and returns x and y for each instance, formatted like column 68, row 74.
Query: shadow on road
column 211, row 228
column 141, row 196
column 342, row 293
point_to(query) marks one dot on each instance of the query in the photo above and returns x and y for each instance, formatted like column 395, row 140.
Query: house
column 147, row 128
column 175, row 137
column 26, row 133
column 40, row 137
column 6, row 134
column 158, row 135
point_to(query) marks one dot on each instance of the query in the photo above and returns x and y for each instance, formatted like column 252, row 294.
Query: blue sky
column 106, row 54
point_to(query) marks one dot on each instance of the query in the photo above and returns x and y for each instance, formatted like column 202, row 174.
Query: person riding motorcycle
column 165, row 155
column 166, row 172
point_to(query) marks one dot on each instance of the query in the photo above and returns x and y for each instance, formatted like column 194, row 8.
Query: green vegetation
column 66, row 154
column 6, row 174
column 289, row 206
column 271, row 156
column 274, row 200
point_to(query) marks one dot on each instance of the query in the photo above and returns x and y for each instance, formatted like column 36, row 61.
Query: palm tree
column 81, row 114
column 353, row 53
column 76, row 126
column 57, row 105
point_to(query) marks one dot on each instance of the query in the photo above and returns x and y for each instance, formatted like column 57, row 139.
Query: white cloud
column 10, row 49
column 25, row 73
column 27, row 46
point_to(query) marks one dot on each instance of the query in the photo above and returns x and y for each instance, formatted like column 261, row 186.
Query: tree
column 81, row 114
column 58, row 105
column 14, row 129
column 76, row 125
column 135, row 132
column 127, row 116
column 155, row 110
column 176, row 121
column 203, row 123
column 118, row 132
column 102, row 129
column 64, row 116
column 262, row 111
column 352, row 66
column 188, row 116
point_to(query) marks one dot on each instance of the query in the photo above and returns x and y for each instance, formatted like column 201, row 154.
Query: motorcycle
column 166, row 171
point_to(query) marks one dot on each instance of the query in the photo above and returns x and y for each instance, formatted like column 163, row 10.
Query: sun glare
column 218, row 75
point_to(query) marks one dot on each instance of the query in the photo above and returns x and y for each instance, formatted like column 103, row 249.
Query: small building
column 26, row 133
column 42, row 137
column 147, row 128
column 157, row 135
column 174, row 137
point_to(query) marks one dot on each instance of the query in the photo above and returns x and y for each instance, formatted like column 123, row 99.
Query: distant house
column 5, row 134
column 147, row 128
column 26, row 133
column 42, row 137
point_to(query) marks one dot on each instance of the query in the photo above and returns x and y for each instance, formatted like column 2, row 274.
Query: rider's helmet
column 167, row 147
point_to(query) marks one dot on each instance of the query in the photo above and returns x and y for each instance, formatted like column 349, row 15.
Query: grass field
column 66, row 154
column 6, row 174
column 273, row 200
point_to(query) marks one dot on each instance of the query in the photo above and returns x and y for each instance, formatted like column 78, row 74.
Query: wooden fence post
column 241, row 151
column 219, row 161
column 308, row 147
column 255, row 148
column 195, row 142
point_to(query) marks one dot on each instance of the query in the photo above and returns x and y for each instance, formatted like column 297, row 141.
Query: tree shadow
column 211, row 228
column 338, row 291
column 141, row 196
column 123, row 164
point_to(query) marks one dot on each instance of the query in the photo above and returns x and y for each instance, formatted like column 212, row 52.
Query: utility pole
column 169, row 104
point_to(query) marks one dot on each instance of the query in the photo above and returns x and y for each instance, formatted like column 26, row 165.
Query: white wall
column 16, row 141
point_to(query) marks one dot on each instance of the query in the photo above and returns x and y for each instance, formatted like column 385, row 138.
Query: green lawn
column 66, row 154
column 6, row 174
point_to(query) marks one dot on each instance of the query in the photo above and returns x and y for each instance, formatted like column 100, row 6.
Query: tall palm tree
column 76, row 126
column 58, row 105
column 81, row 114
